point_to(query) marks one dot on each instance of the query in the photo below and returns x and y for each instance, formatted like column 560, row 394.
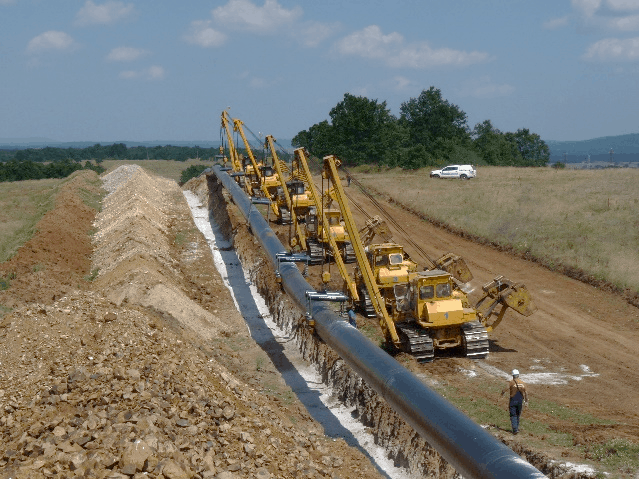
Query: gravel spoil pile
column 96, row 388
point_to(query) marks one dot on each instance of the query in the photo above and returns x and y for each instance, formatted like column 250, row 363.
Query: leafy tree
column 492, row 145
column 361, row 129
column 97, row 168
column 533, row 151
column 191, row 172
column 432, row 121
column 317, row 139
column 116, row 150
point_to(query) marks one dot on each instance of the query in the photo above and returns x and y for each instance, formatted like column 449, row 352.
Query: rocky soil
column 123, row 355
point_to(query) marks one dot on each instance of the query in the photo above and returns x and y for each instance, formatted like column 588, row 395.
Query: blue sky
column 164, row 70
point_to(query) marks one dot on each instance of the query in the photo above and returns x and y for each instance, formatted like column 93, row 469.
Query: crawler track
column 475, row 340
column 416, row 341
column 285, row 216
column 315, row 252
column 349, row 254
column 366, row 307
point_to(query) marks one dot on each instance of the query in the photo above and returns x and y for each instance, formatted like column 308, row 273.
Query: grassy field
column 166, row 168
column 618, row 457
column 585, row 219
column 22, row 205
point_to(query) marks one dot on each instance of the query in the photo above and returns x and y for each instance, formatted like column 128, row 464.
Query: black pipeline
column 467, row 447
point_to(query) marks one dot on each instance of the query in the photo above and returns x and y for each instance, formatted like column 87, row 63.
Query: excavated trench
column 406, row 448
column 403, row 445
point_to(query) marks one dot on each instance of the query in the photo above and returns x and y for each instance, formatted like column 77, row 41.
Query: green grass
column 259, row 363
column 484, row 411
column 585, row 219
column 372, row 332
column 5, row 283
column 22, row 205
column 4, row 310
column 94, row 274
column 182, row 237
column 92, row 199
column 559, row 411
column 166, row 168
column 617, row 455
column 618, row 458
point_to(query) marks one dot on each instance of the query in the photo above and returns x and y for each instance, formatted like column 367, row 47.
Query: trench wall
column 390, row 431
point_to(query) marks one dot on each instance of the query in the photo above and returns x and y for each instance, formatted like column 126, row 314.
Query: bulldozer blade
column 514, row 295
column 456, row 266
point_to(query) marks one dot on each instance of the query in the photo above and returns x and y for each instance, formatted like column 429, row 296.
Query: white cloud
column 555, row 23
column 152, row 73
column 245, row 15
column 105, row 14
column 485, row 87
column 257, row 83
column 201, row 33
column 313, row 33
column 623, row 5
column 392, row 50
column 587, row 7
column 610, row 15
column 125, row 54
column 362, row 90
column 401, row 83
column 251, row 18
column 50, row 41
column 370, row 43
column 614, row 49
column 156, row 72
column 628, row 23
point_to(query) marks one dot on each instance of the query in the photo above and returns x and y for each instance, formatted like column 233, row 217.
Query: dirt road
column 579, row 349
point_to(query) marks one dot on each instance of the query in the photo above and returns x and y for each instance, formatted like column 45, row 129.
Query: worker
column 348, row 179
column 351, row 318
column 518, row 399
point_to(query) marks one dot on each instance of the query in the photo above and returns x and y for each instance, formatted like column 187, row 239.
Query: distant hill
column 24, row 143
column 625, row 149
column 7, row 143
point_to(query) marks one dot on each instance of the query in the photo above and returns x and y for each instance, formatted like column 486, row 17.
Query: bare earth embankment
column 147, row 370
column 123, row 354
column 582, row 223
column 578, row 352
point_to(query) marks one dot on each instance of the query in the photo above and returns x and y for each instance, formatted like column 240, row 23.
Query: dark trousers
column 515, row 408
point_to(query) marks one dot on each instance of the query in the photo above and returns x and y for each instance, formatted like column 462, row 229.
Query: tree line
column 29, row 170
column 430, row 131
column 118, row 151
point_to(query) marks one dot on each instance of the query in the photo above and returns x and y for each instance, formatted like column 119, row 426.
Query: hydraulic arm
column 387, row 324
column 316, row 199
column 236, row 164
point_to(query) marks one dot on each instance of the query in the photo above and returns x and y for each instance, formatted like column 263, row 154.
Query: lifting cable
column 386, row 216
column 393, row 221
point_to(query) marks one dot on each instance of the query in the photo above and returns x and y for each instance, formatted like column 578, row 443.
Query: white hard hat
column 515, row 372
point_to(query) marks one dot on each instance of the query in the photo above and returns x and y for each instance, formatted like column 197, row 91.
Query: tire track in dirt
column 576, row 325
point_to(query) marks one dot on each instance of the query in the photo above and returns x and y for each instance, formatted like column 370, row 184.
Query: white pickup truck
column 463, row 172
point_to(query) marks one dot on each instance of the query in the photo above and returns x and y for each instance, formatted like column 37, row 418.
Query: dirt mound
column 58, row 257
column 121, row 378
column 135, row 257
